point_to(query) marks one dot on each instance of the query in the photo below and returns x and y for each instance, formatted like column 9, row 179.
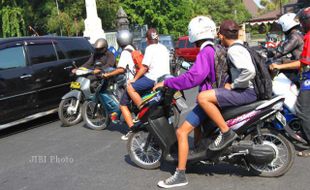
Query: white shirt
column 156, row 57
column 126, row 59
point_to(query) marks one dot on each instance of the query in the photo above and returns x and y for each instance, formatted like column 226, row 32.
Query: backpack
column 137, row 58
column 221, row 67
column 262, row 81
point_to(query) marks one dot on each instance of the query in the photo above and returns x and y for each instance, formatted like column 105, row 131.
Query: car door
column 17, row 88
column 44, row 63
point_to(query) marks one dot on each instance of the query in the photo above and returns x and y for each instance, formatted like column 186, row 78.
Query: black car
column 35, row 74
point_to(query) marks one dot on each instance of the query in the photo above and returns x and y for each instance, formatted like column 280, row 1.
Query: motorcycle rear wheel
column 145, row 157
column 67, row 118
column 98, row 120
column 285, row 154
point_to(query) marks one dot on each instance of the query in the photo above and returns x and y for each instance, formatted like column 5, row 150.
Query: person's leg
column 192, row 121
column 208, row 102
column 303, row 112
column 124, row 101
column 179, row 178
column 140, row 85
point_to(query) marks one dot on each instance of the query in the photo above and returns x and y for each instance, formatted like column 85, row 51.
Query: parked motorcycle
column 265, row 151
column 99, row 111
column 70, row 107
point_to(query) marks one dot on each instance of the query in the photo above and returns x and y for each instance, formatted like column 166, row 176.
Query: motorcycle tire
column 275, row 139
column 66, row 118
column 97, row 121
column 150, row 157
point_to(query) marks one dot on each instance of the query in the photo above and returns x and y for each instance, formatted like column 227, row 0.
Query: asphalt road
column 42, row 155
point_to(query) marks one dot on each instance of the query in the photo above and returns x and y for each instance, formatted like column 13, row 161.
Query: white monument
column 93, row 25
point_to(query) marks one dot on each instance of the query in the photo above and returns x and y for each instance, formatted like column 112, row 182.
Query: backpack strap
column 127, row 66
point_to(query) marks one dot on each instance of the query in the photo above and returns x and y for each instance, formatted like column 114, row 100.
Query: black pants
column 303, row 111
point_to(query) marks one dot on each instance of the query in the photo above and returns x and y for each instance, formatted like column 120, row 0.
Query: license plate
column 281, row 118
column 75, row 85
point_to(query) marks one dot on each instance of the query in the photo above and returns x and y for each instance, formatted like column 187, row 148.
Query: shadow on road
column 29, row 125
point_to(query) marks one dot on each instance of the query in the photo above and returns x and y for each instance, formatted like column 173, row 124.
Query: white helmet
column 288, row 21
column 201, row 27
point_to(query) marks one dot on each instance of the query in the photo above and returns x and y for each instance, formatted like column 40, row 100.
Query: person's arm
column 197, row 73
column 287, row 47
column 140, row 73
column 117, row 71
column 89, row 62
column 286, row 66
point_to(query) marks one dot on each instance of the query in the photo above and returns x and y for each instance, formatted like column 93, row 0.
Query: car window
column 76, row 48
column 60, row 54
column 182, row 43
column 190, row 45
column 12, row 57
column 168, row 44
column 40, row 53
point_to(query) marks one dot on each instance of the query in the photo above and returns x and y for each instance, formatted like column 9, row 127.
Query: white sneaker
column 125, row 137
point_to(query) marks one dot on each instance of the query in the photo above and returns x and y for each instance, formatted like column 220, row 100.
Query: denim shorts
column 141, row 85
column 197, row 116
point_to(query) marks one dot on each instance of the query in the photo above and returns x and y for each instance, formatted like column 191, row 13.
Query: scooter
column 264, row 151
column 287, row 121
column 103, row 108
column 70, row 107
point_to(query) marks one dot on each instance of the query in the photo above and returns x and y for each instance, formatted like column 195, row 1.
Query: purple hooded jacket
column 202, row 73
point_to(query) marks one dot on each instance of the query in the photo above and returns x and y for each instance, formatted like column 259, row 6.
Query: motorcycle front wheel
column 95, row 115
column 143, row 150
column 67, row 113
column 284, row 153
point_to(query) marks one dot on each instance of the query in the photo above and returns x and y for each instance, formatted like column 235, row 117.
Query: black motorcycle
column 263, row 150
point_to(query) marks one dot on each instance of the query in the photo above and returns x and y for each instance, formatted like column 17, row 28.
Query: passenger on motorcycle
column 292, row 47
column 100, row 60
column 125, row 65
column 202, row 31
column 155, row 64
column 303, row 100
column 239, row 92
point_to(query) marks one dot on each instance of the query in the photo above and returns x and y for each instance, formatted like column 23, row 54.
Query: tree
column 271, row 5
column 169, row 17
column 12, row 19
column 220, row 10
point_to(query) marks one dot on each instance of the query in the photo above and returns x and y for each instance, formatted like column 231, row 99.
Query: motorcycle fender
column 73, row 93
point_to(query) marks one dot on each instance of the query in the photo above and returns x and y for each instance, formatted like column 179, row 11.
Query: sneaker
column 178, row 179
column 125, row 137
column 223, row 140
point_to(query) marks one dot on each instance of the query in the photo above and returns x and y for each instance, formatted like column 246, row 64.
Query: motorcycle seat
column 232, row 112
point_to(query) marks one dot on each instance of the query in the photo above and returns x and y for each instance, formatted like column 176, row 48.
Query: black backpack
column 262, row 81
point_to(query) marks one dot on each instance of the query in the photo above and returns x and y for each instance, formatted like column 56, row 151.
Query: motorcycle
column 287, row 121
column 100, row 110
column 70, row 107
column 263, row 150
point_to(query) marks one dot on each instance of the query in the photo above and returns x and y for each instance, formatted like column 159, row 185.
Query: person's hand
column 227, row 86
column 274, row 66
column 158, row 85
column 96, row 71
column 131, row 81
column 73, row 71
column 105, row 75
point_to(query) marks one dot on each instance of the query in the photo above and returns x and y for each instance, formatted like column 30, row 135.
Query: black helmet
column 101, row 43
column 124, row 38
column 304, row 18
